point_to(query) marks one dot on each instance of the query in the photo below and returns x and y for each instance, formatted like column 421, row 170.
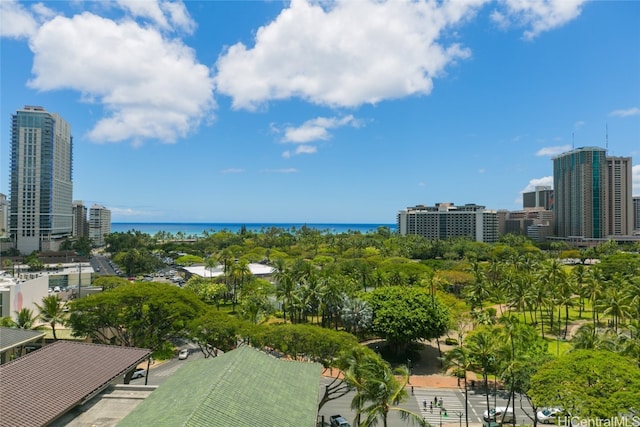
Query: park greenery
column 504, row 309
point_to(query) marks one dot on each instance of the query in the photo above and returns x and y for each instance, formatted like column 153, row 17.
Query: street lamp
column 460, row 413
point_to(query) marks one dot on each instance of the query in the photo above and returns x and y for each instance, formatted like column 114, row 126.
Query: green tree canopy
column 303, row 341
column 588, row 384
column 215, row 330
column 145, row 314
column 109, row 282
column 404, row 314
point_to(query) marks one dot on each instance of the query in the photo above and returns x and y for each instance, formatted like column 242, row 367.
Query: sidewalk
column 430, row 381
column 434, row 381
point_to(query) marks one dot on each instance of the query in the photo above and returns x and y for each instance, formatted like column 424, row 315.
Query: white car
column 138, row 373
column 549, row 415
column 496, row 414
column 184, row 353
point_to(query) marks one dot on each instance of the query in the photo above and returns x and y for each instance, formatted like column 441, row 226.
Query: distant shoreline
column 198, row 228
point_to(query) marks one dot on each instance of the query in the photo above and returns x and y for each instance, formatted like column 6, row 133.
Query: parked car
column 138, row 373
column 496, row 414
column 549, row 415
column 338, row 421
column 184, row 353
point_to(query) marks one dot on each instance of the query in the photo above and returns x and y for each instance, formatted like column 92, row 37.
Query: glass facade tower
column 41, row 180
column 592, row 194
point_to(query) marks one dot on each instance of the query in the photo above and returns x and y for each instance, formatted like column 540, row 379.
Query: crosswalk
column 448, row 409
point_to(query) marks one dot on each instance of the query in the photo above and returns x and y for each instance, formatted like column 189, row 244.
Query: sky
column 325, row 111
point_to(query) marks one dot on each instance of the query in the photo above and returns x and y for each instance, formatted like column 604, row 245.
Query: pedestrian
column 435, row 401
column 431, row 407
column 411, row 390
column 424, row 403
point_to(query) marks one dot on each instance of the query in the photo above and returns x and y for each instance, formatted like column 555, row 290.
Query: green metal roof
column 244, row 387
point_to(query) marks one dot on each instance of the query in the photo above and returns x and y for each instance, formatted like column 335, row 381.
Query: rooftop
column 241, row 388
column 38, row 388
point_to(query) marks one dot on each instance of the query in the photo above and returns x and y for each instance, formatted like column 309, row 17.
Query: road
column 101, row 265
column 159, row 372
column 453, row 408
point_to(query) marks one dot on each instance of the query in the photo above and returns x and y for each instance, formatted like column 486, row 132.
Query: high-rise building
column 541, row 197
column 99, row 224
column 636, row 214
column 4, row 215
column 592, row 194
column 41, row 180
column 444, row 221
column 80, row 223
column 619, row 199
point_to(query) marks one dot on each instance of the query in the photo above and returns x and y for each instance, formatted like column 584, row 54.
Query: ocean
column 198, row 228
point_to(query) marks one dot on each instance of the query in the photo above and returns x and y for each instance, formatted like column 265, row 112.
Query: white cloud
column 626, row 113
column 43, row 12
column 312, row 130
column 16, row 21
column 163, row 14
column 128, row 212
column 537, row 16
column 635, row 176
column 286, row 170
column 545, row 181
column 232, row 170
column 151, row 87
column 317, row 129
column 481, row 170
column 553, row 151
column 577, row 125
column 306, row 149
column 332, row 56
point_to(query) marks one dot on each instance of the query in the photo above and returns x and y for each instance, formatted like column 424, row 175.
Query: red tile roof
column 38, row 388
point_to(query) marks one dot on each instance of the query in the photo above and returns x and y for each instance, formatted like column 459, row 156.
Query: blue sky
column 328, row 111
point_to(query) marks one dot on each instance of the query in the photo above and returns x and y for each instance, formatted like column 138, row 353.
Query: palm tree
column 383, row 391
column 356, row 315
column 540, row 298
column 285, row 285
column 614, row 302
column 552, row 275
column 584, row 338
column 460, row 359
column 579, row 274
column 210, row 264
column 478, row 291
column 51, row 311
column 239, row 272
column 332, row 298
column 482, row 345
column 353, row 364
column 25, row 319
column 594, row 287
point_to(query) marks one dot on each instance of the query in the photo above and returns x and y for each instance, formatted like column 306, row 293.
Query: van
column 499, row 414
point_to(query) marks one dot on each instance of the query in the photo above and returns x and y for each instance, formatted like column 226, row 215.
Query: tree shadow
column 420, row 358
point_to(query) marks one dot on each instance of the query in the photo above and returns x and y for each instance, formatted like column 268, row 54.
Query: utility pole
column 79, row 280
